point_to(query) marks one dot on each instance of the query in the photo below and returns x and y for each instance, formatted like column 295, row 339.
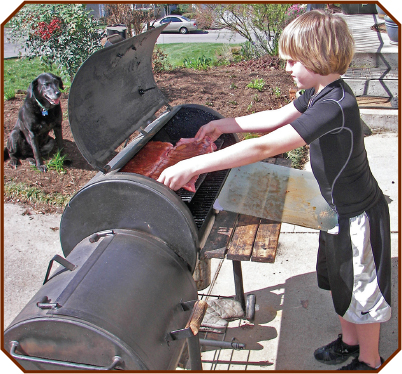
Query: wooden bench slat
column 241, row 237
column 241, row 245
column 220, row 235
column 266, row 241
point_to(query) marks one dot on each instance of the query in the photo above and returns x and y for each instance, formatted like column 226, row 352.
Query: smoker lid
column 114, row 94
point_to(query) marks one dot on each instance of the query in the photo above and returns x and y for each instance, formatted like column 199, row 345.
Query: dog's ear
column 58, row 80
column 60, row 83
column 32, row 87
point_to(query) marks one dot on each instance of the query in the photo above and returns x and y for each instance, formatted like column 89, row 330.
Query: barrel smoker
column 123, row 297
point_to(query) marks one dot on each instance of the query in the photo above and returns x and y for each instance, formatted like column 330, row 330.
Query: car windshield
column 185, row 18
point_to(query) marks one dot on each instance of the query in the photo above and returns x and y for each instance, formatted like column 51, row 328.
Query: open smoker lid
column 114, row 94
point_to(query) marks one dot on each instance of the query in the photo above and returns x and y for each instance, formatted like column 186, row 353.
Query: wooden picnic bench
column 240, row 237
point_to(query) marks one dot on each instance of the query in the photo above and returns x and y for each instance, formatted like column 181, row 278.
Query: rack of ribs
column 157, row 156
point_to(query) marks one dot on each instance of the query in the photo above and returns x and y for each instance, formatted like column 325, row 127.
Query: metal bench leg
column 238, row 280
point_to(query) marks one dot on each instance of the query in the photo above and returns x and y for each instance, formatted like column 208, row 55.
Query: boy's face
column 303, row 77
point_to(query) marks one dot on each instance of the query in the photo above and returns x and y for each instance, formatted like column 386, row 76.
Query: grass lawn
column 19, row 73
column 177, row 52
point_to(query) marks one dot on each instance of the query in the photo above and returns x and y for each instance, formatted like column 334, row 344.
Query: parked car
column 180, row 24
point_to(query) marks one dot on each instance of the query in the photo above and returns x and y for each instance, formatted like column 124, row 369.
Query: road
column 201, row 36
column 11, row 49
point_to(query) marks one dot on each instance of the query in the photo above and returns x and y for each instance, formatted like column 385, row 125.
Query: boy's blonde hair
column 320, row 41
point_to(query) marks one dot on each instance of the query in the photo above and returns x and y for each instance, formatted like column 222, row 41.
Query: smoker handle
column 197, row 315
column 62, row 261
column 117, row 360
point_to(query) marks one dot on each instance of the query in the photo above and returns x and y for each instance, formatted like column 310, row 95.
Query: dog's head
column 46, row 87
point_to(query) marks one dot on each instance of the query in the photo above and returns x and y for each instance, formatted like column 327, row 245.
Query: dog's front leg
column 59, row 137
column 35, row 147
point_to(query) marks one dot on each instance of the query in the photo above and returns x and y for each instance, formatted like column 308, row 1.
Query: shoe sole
column 338, row 360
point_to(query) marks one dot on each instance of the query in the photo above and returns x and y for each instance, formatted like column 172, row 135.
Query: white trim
column 368, row 304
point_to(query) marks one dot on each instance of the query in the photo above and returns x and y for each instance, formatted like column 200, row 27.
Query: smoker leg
column 222, row 344
column 250, row 307
column 194, row 351
column 238, row 280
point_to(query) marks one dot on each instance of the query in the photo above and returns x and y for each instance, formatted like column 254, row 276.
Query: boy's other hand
column 177, row 176
column 210, row 130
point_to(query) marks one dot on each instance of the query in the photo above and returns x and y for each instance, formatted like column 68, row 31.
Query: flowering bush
column 45, row 31
column 295, row 11
column 64, row 35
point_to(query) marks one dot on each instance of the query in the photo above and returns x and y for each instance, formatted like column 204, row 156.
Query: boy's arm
column 261, row 122
column 268, row 120
column 245, row 152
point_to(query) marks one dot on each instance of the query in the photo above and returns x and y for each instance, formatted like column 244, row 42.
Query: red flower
column 45, row 30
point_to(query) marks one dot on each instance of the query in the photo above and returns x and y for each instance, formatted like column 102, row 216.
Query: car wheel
column 183, row 30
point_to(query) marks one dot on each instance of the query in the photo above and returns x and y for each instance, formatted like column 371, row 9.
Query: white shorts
column 355, row 265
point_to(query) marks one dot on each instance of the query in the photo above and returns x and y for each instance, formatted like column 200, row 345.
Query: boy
column 353, row 263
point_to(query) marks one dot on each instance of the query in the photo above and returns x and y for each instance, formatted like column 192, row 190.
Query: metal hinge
column 45, row 303
column 95, row 237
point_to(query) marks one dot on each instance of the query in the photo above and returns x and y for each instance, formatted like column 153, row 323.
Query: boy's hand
column 210, row 129
column 176, row 176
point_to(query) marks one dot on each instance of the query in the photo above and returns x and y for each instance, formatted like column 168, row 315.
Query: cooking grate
column 203, row 200
column 184, row 124
column 187, row 196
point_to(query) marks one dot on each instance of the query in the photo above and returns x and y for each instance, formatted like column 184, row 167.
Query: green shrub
column 276, row 91
column 200, row 63
column 298, row 156
column 159, row 61
column 257, row 84
column 57, row 162
column 248, row 51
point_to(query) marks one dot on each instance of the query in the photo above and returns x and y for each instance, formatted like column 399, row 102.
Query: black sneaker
column 359, row 365
column 336, row 352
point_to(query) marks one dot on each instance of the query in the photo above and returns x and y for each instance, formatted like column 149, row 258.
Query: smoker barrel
column 116, row 307
column 121, row 297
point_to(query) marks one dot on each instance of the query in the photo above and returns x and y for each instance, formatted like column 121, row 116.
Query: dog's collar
column 44, row 110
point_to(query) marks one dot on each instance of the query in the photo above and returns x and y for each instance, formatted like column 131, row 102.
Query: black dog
column 40, row 113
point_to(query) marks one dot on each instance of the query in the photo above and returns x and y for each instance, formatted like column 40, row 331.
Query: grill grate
column 187, row 196
column 203, row 200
